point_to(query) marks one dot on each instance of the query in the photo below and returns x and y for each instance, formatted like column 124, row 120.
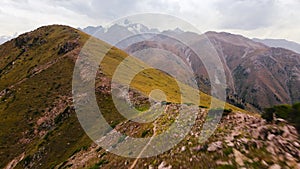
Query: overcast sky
column 252, row 18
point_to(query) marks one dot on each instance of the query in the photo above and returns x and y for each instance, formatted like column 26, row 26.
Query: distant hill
column 282, row 43
column 4, row 39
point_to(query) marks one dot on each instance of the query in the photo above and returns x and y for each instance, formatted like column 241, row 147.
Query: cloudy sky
column 252, row 18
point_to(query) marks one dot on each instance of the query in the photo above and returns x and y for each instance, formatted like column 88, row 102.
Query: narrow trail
column 145, row 147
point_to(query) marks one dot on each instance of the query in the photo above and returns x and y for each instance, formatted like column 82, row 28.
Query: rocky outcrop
column 67, row 46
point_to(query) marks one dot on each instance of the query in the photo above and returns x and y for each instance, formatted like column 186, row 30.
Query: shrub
column 228, row 151
column 100, row 163
column 145, row 133
column 189, row 104
column 165, row 103
column 290, row 113
column 268, row 114
column 205, row 107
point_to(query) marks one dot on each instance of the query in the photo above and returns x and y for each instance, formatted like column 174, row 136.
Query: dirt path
column 145, row 147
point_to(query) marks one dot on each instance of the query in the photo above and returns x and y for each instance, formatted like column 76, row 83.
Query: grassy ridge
column 31, row 94
column 37, row 69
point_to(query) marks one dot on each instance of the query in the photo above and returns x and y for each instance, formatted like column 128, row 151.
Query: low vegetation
column 290, row 113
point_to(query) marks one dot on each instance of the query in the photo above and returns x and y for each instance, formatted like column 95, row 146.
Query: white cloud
column 247, row 15
column 24, row 16
column 254, row 18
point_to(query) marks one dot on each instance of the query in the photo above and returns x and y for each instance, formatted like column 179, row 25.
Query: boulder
column 163, row 165
column 240, row 158
column 230, row 144
column 286, row 132
column 263, row 162
column 270, row 137
column 222, row 162
column 296, row 144
column 275, row 166
column 183, row 148
column 214, row 146
column 271, row 148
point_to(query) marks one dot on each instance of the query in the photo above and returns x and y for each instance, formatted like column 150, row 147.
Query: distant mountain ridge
column 117, row 32
column 5, row 38
column 256, row 73
column 282, row 43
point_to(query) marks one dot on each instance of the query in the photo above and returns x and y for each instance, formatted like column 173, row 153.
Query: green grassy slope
column 35, row 80
column 30, row 94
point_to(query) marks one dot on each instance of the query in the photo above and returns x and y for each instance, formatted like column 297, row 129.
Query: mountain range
column 40, row 128
column 258, row 75
column 280, row 43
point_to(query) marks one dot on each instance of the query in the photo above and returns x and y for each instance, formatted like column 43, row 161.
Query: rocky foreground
column 240, row 141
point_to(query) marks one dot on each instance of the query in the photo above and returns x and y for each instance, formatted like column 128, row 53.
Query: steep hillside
column 38, row 123
column 262, row 76
column 40, row 129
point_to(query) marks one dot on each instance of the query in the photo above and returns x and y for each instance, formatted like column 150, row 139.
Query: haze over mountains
column 282, row 43
column 258, row 75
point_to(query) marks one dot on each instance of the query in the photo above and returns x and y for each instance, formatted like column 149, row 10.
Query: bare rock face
column 249, row 66
column 68, row 46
